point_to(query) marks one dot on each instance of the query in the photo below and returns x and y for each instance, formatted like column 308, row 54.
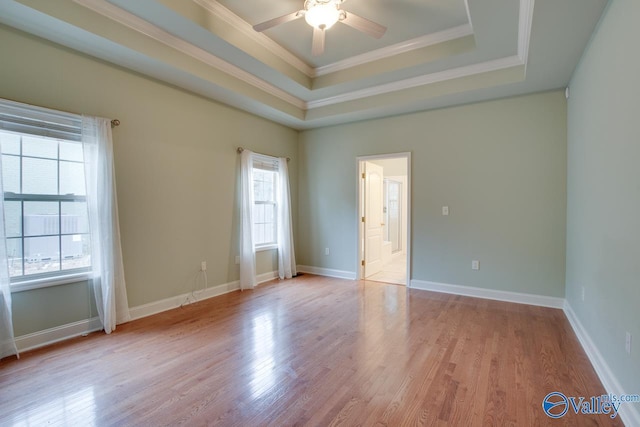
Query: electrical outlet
column 203, row 266
column 627, row 342
column 583, row 294
column 475, row 264
column 326, row 251
column 237, row 259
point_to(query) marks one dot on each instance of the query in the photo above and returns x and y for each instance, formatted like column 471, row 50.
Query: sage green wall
column 176, row 169
column 500, row 166
column 603, row 209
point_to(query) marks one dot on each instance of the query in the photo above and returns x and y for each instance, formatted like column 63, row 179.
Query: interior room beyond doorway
column 384, row 201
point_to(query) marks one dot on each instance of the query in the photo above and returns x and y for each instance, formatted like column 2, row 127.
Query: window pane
column 39, row 176
column 13, row 218
column 39, row 147
column 10, row 143
column 75, row 251
column 74, row 218
column 258, row 213
column 41, row 218
column 14, row 254
column 72, row 178
column 269, row 233
column 11, row 173
column 258, row 231
column 42, row 254
column 269, row 213
column 268, row 191
column 71, row 151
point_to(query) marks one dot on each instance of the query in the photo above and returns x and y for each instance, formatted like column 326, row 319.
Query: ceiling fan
column 321, row 15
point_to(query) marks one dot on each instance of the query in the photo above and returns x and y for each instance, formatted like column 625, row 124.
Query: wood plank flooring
column 310, row 351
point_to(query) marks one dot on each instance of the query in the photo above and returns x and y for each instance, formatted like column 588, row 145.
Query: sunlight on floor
column 73, row 409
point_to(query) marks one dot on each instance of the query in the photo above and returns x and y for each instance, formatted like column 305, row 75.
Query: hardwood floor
column 310, row 351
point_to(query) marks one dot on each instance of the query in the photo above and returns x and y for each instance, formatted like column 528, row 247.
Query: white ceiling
column 435, row 53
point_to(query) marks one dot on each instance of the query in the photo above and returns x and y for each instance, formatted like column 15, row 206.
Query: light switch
column 445, row 210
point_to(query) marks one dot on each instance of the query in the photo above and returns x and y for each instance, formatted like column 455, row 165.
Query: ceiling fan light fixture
column 322, row 16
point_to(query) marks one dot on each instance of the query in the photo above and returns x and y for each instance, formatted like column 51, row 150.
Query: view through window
column 44, row 205
column 264, row 208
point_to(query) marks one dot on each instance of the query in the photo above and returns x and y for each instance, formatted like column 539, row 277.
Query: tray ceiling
column 435, row 53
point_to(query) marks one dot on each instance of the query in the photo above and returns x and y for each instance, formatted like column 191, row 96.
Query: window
column 265, row 177
column 45, row 205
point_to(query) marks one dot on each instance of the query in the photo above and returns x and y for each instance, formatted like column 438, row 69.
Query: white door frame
column 360, row 209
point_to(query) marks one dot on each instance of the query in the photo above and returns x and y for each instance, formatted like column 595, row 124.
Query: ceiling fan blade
column 364, row 25
column 277, row 21
column 317, row 48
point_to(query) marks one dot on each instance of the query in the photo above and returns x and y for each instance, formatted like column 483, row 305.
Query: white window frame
column 268, row 163
column 35, row 121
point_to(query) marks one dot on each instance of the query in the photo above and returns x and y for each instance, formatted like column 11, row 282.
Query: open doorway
column 384, row 218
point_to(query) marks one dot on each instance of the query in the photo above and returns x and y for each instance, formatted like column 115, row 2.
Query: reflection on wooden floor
column 310, row 351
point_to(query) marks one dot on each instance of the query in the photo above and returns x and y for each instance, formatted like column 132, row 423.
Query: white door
column 373, row 222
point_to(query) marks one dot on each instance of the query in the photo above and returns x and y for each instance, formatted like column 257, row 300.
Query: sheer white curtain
column 106, row 253
column 7, row 341
column 247, row 250
column 286, row 255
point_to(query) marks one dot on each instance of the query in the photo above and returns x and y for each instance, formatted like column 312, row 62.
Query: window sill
column 46, row 282
column 266, row 247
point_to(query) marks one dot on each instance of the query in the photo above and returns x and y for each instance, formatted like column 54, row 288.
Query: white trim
column 524, row 29
column 493, row 294
column 466, row 7
column 329, row 272
column 266, row 277
column 59, row 333
column 130, row 20
column 82, row 327
column 117, row 14
column 426, row 79
column 245, row 28
column 396, row 49
column 267, row 247
column 170, row 303
column 629, row 412
column 45, row 282
column 407, row 254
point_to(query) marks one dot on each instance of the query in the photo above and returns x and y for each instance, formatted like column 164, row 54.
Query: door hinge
column 362, row 219
column 363, row 175
column 362, row 262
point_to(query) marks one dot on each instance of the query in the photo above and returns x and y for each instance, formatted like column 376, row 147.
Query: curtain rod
column 241, row 149
column 115, row 122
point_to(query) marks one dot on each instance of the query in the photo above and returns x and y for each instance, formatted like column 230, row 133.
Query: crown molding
column 245, row 28
column 524, row 29
column 426, row 79
column 130, row 20
column 396, row 49
column 123, row 17
column 406, row 46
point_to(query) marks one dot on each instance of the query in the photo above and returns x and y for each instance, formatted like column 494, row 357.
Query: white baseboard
column 59, row 333
column 266, row 277
column 174, row 302
column 70, row 330
column 517, row 297
column 340, row 274
column 629, row 412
